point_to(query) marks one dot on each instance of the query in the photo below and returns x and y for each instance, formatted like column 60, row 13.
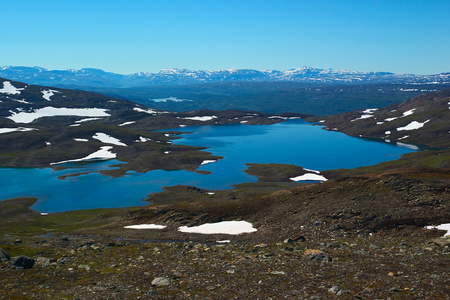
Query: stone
column 278, row 273
column 4, row 255
column 21, row 262
column 161, row 281
column 44, row 261
column 334, row 290
column 85, row 267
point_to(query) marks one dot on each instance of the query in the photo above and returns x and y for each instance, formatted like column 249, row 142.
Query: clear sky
column 408, row 36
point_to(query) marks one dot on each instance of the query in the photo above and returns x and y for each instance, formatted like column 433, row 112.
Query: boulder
column 21, row 262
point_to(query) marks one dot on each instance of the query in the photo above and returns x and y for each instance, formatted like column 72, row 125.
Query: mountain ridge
column 172, row 76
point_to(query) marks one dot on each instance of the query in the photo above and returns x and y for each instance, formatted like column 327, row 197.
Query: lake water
column 292, row 142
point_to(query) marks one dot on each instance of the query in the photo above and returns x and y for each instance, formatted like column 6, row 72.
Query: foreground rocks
column 374, row 266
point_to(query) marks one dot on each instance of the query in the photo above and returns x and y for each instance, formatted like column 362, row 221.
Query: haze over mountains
column 99, row 78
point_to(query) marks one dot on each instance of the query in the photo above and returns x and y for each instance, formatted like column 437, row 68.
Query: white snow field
column 225, row 227
column 49, row 111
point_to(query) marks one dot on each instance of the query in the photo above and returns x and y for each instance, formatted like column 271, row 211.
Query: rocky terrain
column 354, row 238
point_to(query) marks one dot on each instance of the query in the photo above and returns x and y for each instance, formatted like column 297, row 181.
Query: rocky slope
column 100, row 78
column 424, row 119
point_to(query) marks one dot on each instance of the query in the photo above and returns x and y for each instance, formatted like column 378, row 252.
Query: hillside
column 42, row 126
column 270, row 97
column 424, row 119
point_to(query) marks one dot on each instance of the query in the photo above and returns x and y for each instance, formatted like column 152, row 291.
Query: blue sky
column 146, row 36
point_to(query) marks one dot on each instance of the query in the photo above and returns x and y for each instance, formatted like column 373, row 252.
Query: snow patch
column 81, row 140
column 203, row 119
column 143, row 140
column 28, row 117
column 107, row 139
column 47, row 94
column 225, row 227
column 413, row 125
column 207, row 162
column 127, row 123
column 9, row 89
column 87, row 120
column 309, row 176
column 102, row 154
column 369, row 110
column 147, row 111
column 8, row 130
column 145, row 226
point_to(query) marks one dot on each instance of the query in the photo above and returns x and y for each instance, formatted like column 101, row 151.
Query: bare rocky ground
column 376, row 266
column 352, row 238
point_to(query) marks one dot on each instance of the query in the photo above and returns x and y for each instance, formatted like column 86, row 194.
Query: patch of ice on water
column 225, row 227
column 102, row 154
column 9, row 89
column 309, row 176
column 28, row 117
column 107, row 139
column 413, row 125
column 145, row 226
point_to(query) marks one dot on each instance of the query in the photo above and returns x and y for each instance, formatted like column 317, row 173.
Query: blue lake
column 292, row 142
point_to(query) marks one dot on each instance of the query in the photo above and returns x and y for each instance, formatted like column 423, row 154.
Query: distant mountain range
column 99, row 78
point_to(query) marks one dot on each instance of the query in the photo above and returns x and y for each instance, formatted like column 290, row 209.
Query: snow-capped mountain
column 100, row 78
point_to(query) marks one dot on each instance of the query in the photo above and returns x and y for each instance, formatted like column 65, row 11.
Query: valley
column 362, row 233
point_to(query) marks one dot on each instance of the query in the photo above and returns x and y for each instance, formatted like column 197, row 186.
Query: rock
column 299, row 238
column 63, row 260
column 161, row 281
column 288, row 241
column 176, row 275
column 86, row 267
column 4, row 255
column 278, row 273
column 334, row 290
column 44, row 261
column 21, row 262
column 317, row 255
column 443, row 241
